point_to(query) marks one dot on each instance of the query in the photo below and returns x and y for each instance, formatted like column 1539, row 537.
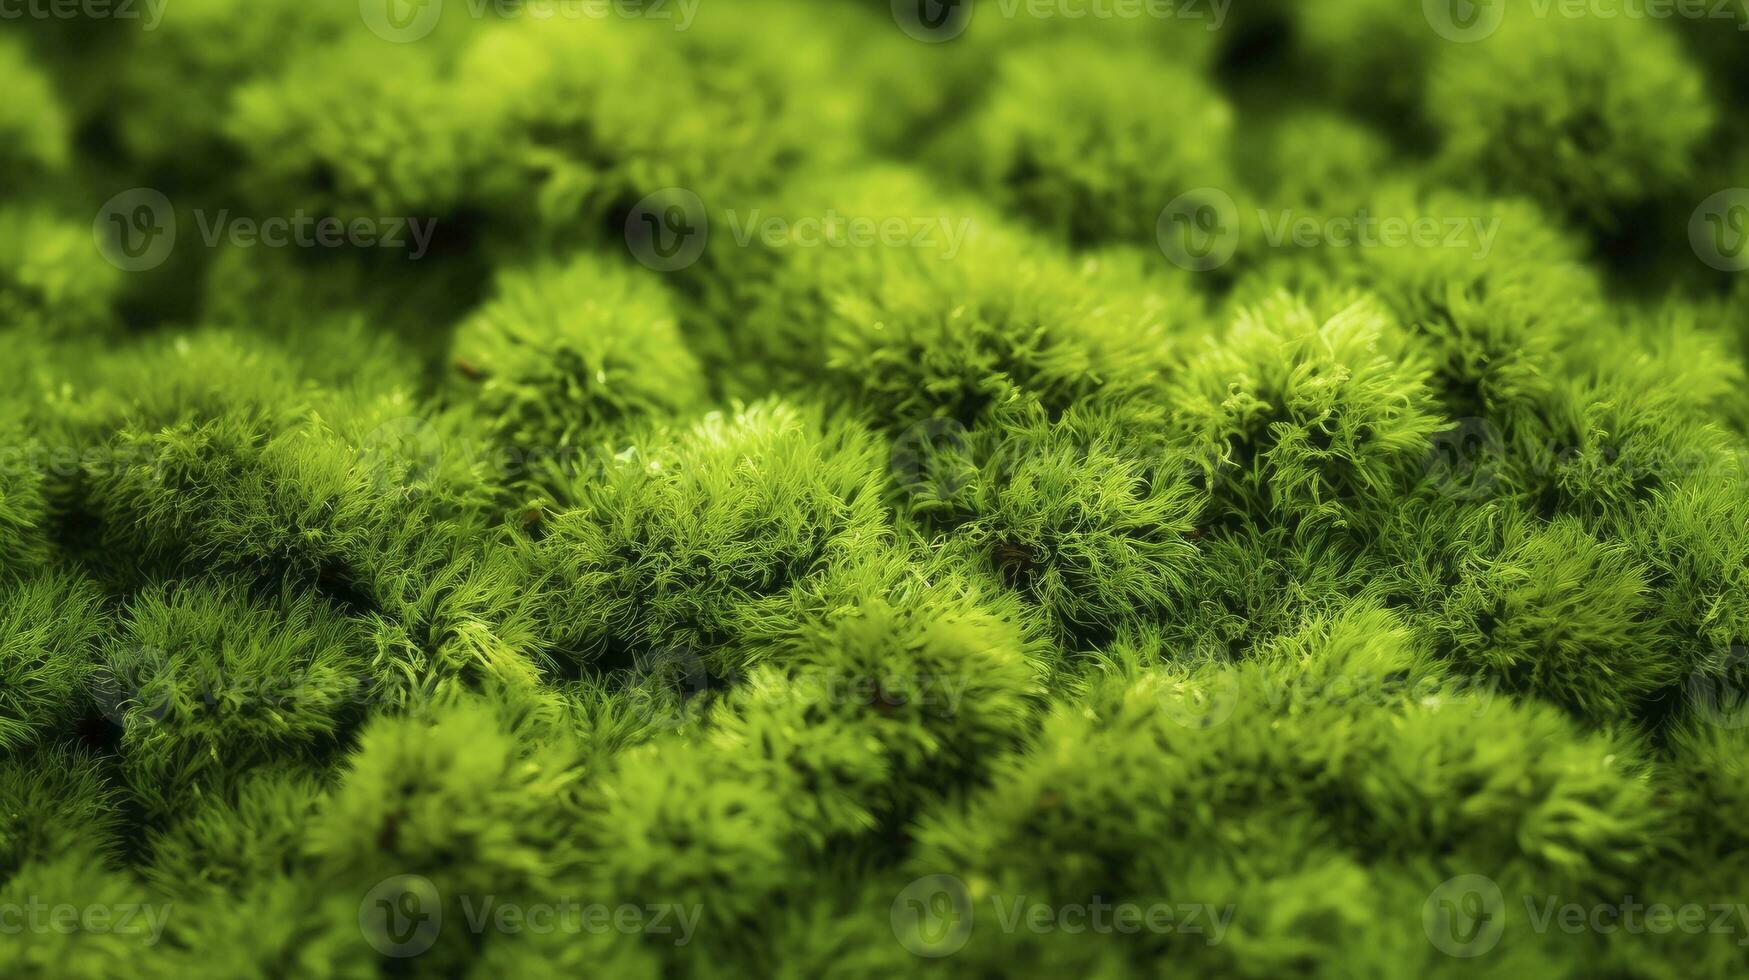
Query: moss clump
column 1074, row 514
column 580, row 136
column 945, row 313
column 1298, row 418
column 356, row 130
column 33, row 127
column 197, row 668
column 52, row 280
column 564, row 354
column 179, row 78
column 48, row 632
column 1542, row 108
column 1090, row 162
column 706, row 541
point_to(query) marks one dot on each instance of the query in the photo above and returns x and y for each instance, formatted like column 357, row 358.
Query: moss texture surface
column 863, row 489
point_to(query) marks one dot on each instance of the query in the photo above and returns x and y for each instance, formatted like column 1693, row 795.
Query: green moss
column 48, row 630
column 33, row 126
column 944, row 313
column 1092, row 162
column 578, row 133
column 206, row 684
column 916, row 558
column 1069, row 513
column 355, row 130
column 52, row 279
column 1297, row 418
column 1542, row 107
column 90, row 892
column 709, row 541
column 566, row 354
column 179, row 79
column 57, row 802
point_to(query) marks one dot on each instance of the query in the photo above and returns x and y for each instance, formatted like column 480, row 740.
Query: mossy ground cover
column 860, row 489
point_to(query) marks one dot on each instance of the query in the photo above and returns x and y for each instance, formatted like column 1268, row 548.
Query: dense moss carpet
column 856, row 489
